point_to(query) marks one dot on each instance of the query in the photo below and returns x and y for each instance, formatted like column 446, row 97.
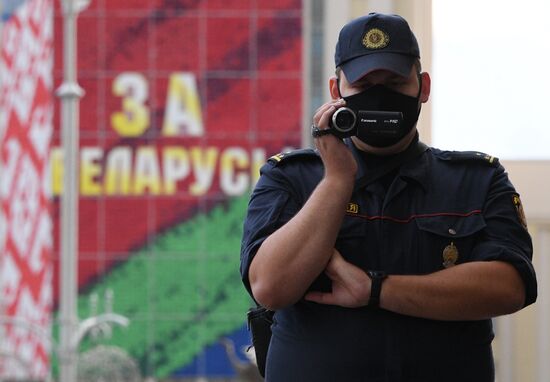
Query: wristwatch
column 376, row 287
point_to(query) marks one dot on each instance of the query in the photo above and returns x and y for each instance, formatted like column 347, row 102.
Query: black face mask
column 379, row 98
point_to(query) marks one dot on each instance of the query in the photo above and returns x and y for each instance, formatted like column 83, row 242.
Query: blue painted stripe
column 213, row 361
column 8, row 7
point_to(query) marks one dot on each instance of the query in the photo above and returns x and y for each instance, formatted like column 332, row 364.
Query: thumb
column 335, row 263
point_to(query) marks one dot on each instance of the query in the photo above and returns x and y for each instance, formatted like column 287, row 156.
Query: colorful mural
column 185, row 100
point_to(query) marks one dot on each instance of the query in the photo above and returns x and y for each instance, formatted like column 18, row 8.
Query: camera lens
column 343, row 120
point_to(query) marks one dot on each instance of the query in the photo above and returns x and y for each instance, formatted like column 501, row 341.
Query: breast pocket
column 445, row 241
column 352, row 240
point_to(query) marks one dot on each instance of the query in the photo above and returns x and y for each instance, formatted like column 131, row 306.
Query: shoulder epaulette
column 285, row 156
column 470, row 156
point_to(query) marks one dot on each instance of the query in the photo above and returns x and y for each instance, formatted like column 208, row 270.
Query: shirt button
column 452, row 231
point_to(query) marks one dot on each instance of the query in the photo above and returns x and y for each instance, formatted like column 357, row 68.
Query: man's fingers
column 323, row 114
column 335, row 261
column 334, row 265
column 336, row 255
column 320, row 298
column 327, row 115
column 320, row 111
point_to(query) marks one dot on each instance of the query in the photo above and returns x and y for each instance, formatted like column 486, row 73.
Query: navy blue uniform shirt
column 439, row 199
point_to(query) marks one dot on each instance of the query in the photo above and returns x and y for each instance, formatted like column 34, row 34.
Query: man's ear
column 333, row 88
column 426, row 87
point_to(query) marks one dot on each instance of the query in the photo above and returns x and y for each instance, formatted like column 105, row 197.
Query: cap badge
column 376, row 39
column 450, row 255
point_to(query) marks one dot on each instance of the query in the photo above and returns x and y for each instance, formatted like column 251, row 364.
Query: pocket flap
column 452, row 226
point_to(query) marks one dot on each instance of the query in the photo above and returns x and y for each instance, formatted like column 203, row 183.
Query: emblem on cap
column 376, row 39
column 450, row 255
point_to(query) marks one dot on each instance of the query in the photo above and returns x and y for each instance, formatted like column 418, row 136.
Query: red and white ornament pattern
column 26, row 267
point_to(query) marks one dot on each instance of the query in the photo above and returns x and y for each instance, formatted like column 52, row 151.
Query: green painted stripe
column 182, row 292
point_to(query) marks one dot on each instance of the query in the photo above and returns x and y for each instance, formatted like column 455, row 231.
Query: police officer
column 384, row 259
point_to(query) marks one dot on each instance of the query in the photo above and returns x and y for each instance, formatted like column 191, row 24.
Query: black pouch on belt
column 259, row 324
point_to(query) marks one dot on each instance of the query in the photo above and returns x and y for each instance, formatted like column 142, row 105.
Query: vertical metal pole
column 306, row 73
column 337, row 13
column 70, row 94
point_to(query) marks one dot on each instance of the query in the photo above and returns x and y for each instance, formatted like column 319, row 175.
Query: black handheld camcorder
column 346, row 123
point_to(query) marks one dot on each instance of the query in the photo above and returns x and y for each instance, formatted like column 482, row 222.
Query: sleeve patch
column 519, row 210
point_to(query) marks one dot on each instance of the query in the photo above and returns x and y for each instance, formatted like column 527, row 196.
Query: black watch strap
column 376, row 287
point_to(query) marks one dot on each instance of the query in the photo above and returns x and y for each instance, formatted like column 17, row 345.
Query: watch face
column 377, row 274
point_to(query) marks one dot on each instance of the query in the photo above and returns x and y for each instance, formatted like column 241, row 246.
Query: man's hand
column 350, row 284
column 339, row 162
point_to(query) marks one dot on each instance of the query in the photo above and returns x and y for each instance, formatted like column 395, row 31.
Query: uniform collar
column 416, row 170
